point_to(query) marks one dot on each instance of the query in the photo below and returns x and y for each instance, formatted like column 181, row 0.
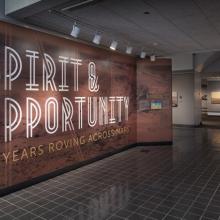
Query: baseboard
column 210, row 126
column 53, row 174
column 186, row 126
column 154, row 143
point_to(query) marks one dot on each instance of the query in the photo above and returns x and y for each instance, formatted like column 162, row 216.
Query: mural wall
column 154, row 101
column 63, row 102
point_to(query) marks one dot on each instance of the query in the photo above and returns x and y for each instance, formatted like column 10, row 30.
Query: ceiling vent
column 79, row 4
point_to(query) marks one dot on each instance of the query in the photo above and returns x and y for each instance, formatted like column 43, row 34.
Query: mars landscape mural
column 64, row 102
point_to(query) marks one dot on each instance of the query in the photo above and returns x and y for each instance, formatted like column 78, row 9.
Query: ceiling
column 172, row 26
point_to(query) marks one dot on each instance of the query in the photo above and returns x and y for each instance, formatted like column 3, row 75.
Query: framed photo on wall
column 215, row 97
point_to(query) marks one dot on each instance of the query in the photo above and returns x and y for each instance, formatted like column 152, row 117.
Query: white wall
column 183, row 84
column 182, row 62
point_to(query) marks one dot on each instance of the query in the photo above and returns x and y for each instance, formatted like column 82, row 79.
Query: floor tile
column 152, row 182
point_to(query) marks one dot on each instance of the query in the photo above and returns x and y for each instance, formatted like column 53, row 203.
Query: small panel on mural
column 156, row 105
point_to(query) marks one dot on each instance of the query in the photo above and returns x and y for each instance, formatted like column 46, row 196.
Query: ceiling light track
column 99, row 32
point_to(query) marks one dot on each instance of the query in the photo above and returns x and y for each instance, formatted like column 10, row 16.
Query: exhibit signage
column 101, row 110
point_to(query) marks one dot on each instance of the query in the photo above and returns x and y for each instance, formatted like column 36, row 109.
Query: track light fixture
column 97, row 39
column 143, row 54
column 75, row 31
column 114, row 45
column 153, row 58
column 129, row 50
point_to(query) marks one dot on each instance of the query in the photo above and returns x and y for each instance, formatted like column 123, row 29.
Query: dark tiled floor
column 179, row 182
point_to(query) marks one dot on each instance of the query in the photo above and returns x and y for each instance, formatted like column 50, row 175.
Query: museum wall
column 183, row 85
column 65, row 103
column 182, row 62
column 154, row 111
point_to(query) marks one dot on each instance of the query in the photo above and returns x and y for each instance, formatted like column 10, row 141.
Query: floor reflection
column 107, row 202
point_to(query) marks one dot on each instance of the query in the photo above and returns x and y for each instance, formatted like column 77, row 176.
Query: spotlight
column 143, row 54
column 97, row 39
column 113, row 45
column 129, row 50
column 75, row 31
column 153, row 58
